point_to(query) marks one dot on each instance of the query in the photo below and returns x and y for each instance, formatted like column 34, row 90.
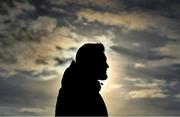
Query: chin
column 103, row 77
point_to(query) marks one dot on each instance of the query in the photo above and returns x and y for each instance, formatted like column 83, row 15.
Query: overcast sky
column 39, row 38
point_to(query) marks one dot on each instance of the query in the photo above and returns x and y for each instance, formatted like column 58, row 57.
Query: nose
column 107, row 66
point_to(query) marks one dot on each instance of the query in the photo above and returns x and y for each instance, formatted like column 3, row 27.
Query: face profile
column 92, row 59
column 100, row 68
column 79, row 93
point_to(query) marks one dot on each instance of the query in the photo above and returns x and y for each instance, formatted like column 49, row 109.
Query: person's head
column 91, row 58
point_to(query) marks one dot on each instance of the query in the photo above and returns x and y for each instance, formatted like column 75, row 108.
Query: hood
column 75, row 79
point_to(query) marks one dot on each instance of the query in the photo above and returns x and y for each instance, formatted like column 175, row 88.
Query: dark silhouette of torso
column 78, row 97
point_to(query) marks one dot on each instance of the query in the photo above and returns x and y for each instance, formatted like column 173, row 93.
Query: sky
column 39, row 38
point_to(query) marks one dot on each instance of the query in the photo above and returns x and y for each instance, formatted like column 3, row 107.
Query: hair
column 89, row 52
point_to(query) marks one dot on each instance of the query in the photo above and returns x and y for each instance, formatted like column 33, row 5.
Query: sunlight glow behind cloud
column 38, row 40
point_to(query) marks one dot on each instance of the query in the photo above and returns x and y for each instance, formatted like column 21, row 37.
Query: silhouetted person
column 79, row 93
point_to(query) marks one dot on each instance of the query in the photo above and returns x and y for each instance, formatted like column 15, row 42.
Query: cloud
column 31, row 110
column 14, row 8
column 164, row 78
column 139, row 65
column 158, row 106
column 144, row 54
column 144, row 83
column 100, row 4
column 62, row 61
column 177, row 96
column 26, row 96
column 147, row 93
column 163, row 7
column 155, row 83
column 169, row 49
column 44, row 24
column 134, row 20
column 118, row 19
column 34, row 111
column 7, row 74
column 39, row 39
column 166, row 72
column 8, row 110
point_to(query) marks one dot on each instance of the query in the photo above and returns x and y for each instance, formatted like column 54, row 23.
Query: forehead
column 101, row 57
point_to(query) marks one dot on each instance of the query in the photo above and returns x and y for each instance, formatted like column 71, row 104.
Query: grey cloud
column 69, row 49
column 141, row 45
column 90, row 29
column 41, row 61
column 163, row 25
column 23, row 36
column 31, row 90
column 8, row 57
column 167, row 73
column 10, row 3
column 29, row 32
column 140, row 55
column 143, row 106
column 8, row 110
column 61, row 61
column 11, row 9
column 24, row 92
column 146, row 39
column 47, row 8
column 164, row 7
column 38, row 75
column 166, row 22
column 12, row 41
column 31, row 74
column 155, row 106
column 98, row 5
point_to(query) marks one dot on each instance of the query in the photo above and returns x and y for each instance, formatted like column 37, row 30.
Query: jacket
column 79, row 95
